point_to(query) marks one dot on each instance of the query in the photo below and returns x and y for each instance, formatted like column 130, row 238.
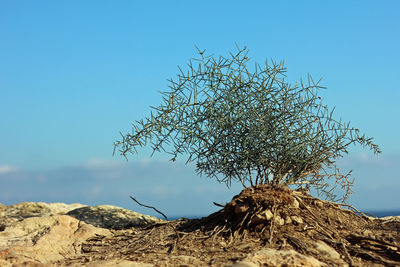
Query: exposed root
column 260, row 216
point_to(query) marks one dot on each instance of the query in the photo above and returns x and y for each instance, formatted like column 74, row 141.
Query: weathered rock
column 279, row 220
column 329, row 254
column 281, row 258
column 112, row 217
column 45, row 239
column 34, row 209
column 106, row 263
column 20, row 211
column 262, row 217
column 243, row 264
column 38, row 234
column 296, row 220
column 115, row 262
column 295, row 204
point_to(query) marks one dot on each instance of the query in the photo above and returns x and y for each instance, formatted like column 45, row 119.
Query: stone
column 242, row 264
column 183, row 260
column 288, row 220
column 279, row 220
column 45, row 239
column 20, row 211
column 33, row 209
column 295, row 204
column 282, row 258
column 115, row 262
column 112, row 217
column 318, row 203
column 297, row 220
column 328, row 253
column 262, row 217
column 39, row 234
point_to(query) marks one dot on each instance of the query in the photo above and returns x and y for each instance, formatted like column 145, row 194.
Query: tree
column 248, row 125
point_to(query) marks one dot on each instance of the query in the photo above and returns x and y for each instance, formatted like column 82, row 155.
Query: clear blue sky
column 73, row 74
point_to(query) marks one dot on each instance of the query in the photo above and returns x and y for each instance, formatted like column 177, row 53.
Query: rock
column 183, row 260
column 297, row 220
column 45, row 239
column 17, row 212
column 282, row 258
column 112, row 217
column 279, row 220
column 115, row 262
column 318, row 203
column 39, row 234
column 243, row 264
column 106, row 263
column 262, row 217
column 328, row 253
column 288, row 220
column 33, row 209
column 390, row 219
column 295, row 204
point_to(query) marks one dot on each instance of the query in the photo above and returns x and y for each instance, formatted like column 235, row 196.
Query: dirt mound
column 262, row 225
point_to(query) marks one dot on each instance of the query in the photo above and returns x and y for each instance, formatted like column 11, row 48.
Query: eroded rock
column 282, row 258
column 39, row 234
column 112, row 217
column 45, row 239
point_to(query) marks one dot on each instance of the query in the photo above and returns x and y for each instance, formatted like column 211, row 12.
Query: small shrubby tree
column 248, row 125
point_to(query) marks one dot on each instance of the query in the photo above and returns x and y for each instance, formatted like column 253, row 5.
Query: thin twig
column 150, row 207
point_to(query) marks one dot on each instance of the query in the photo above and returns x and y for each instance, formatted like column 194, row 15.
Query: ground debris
column 259, row 218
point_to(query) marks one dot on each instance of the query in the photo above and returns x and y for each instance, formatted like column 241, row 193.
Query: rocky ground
column 262, row 226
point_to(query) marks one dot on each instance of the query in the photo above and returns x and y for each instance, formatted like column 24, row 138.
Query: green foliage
column 249, row 126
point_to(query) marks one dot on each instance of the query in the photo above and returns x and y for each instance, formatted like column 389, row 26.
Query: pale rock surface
column 106, row 263
column 37, row 233
column 243, row 264
column 17, row 212
column 282, row 258
column 112, row 217
column 45, row 239
column 328, row 253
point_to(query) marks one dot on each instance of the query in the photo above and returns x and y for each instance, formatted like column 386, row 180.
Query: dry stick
column 316, row 218
column 334, row 204
column 150, row 207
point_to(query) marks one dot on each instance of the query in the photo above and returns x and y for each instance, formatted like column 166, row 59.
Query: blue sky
column 73, row 74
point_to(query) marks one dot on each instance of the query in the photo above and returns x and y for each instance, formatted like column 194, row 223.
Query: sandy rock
column 262, row 217
column 388, row 219
column 116, row 262
column 243, row 264
column 45, row 239
column 279, row 220
column 281, row 258
column 37, row 234
column 318, row 203
column 109, row 263
column 18, row 212
column 34, row 209
column 183, row 260
column 328, row 253
column 297, row 220
column 295, row 204
column 112, row 217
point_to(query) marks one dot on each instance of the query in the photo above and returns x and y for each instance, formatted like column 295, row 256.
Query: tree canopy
column 248, row 125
